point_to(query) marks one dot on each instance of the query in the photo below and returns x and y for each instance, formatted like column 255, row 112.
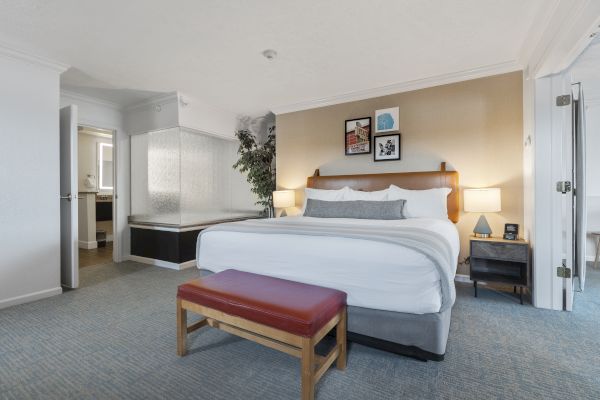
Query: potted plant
column 258, row 162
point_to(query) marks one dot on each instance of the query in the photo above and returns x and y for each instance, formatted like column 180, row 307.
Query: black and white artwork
column 387, row 148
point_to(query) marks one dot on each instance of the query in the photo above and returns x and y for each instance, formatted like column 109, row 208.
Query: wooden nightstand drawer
column 499, row 251
column 499, row 260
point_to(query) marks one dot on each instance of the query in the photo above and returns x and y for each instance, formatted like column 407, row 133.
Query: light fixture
column 284, row 199
column 482, row 200
column 270, row 54
column 105, row 148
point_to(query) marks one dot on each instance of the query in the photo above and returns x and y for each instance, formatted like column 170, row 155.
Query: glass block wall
column 182, row 177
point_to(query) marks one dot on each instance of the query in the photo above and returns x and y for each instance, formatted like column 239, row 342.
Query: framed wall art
column 357, row 134
column 386, row 120
column 387, row 148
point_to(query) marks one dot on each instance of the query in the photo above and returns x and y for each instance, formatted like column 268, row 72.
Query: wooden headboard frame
column 406, row 180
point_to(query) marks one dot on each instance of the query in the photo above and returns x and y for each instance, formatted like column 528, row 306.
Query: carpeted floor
column 114, row 338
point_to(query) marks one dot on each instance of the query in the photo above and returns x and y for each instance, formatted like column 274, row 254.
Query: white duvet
column 375, row 275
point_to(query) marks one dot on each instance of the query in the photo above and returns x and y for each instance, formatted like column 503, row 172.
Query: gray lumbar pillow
column 359, row 209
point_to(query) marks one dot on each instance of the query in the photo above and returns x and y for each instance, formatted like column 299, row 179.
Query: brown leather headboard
column 407, row 180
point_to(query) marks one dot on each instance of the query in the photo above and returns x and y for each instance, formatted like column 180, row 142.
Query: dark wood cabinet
column 501, row 261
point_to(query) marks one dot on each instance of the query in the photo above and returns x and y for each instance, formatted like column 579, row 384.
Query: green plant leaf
column 257, row 161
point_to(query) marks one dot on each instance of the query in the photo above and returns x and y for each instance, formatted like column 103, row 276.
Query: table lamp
column 284, row 199
column 483, row 201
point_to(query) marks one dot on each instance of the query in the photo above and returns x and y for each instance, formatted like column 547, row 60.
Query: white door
column 569, row 148
column 69, row 235
column 562, row 195
column 579, row 192
column 568, row 202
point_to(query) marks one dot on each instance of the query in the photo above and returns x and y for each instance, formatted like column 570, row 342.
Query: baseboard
column 26, row 298
column 462, row 278
column 88, row 245
column 161, row 263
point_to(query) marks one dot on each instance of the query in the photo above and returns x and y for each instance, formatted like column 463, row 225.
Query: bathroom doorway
column 96, row 205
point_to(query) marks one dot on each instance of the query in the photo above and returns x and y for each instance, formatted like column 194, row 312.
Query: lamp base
column 482, row 229
column 283, row 213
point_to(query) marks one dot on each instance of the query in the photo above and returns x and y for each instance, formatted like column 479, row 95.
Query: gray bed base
column 422, row 336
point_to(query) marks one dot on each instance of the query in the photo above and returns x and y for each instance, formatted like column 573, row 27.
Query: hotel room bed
column 377, row 275
column 399, row 295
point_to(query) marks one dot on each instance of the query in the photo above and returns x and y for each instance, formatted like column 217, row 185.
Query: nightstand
column 502, row 261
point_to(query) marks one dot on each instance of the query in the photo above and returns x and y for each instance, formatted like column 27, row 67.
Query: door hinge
column 563, row 272
column 563, row 187
column 563, row 100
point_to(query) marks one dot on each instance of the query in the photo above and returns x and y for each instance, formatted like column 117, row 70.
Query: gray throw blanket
column 432, row 245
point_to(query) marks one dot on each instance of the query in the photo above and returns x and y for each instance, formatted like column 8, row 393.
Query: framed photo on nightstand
column 511, row 231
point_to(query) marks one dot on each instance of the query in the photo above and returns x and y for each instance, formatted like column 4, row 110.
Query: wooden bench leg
column 341, row 340
column 181, row 329
column 308, row 369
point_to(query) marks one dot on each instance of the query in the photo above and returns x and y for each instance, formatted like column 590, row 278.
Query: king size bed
column 398, row 273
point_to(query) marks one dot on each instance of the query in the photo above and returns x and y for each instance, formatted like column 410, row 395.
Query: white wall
column 154, row 114
column 101, row 114
column 175, row 109
column 199, row 115
column 593, row 149
column 29, row 178
column 593, row 172
column 528, row 158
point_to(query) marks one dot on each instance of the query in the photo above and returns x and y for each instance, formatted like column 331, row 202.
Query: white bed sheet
column 375, row 275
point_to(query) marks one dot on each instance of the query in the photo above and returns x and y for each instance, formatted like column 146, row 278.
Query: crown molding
column 444, row 79
column 153, row 101
column 558, row 36
column 536, row 42
column 208, row 133
column 8, row 51
column 89, row 99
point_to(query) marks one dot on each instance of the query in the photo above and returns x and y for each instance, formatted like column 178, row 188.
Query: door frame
column 563, row 34
column 69, row 185
column 116, row 236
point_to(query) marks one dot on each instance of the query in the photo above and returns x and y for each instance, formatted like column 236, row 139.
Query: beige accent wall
column 475, row 126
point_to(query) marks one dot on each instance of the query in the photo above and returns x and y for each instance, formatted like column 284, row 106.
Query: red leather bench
column 288, row 316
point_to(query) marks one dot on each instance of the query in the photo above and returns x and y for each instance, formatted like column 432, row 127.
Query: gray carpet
column 114, row 338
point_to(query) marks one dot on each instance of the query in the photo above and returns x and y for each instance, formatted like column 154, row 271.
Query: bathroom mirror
column 105, row 166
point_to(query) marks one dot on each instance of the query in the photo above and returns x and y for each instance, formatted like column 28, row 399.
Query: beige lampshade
column 482, row 200
column 284, row 198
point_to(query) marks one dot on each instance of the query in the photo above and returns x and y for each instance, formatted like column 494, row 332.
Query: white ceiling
column 128, row 50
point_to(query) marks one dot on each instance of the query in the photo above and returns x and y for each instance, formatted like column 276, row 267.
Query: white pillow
column 379, row 195
column 430, row 203
column 324, row 194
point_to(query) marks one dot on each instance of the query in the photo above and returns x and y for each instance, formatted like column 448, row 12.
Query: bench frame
column 313, row 366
